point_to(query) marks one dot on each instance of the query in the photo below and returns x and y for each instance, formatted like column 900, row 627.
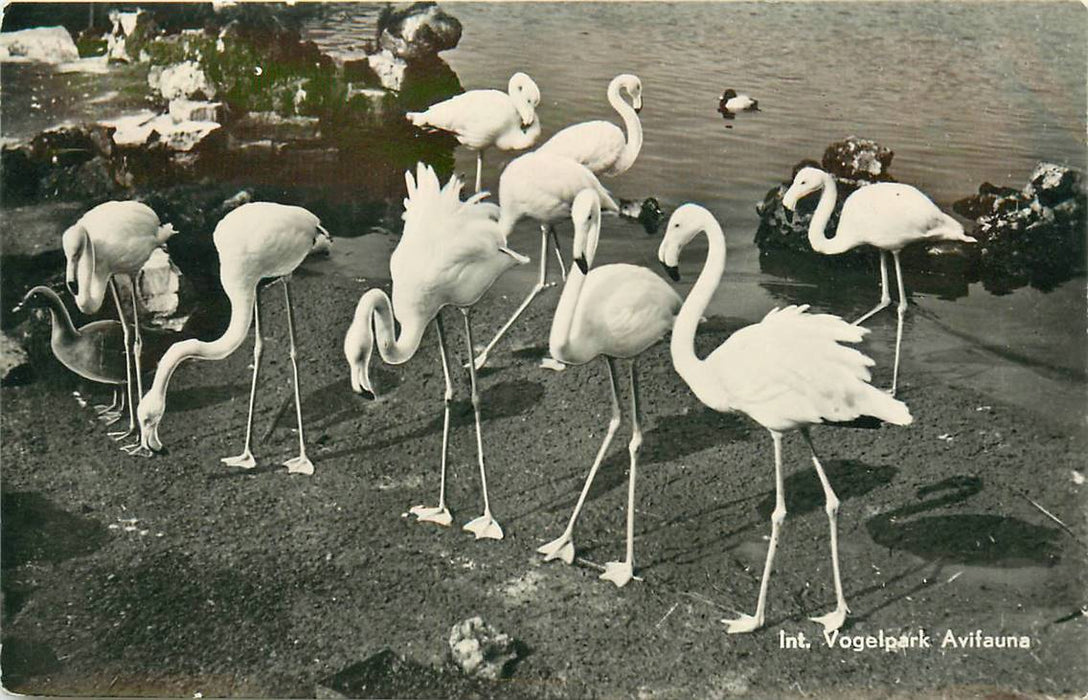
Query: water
column 963, row 93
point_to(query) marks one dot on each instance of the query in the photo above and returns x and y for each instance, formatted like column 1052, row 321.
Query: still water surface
column 963, row 93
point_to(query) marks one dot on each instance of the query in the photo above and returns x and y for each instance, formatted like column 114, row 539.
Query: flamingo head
column 585, row 212
column 526, row 96
column 358, row 348
column 149, row 413
column 633, row 86
column 685, row 223
column 805, row 182
column 81, row 275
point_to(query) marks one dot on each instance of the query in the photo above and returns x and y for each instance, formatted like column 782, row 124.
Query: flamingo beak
column 73, row 287
column 673, row 271
column 580, row 261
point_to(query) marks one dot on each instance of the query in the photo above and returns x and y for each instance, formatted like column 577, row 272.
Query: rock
column 417, row 31
column 14, row 362
column 276, row 128
column 183, row 110
column 480, row 650
column 160, row 282
column 858, row 159
column 1032, row 236
column 141, row 129
column 181, row 80
column 389, row 69
column 129, row 35
column 44, row 44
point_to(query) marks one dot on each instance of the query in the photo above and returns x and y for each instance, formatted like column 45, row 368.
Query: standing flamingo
column 541, row 186
column 787, row 372
column 114, row 238
column 256, row 241
column 480, row 119
column 613, row 311
column 600, row 145
column 450, row 254
column 886, row 215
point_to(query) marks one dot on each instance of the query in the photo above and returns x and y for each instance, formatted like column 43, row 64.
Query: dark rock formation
column 1033, row 236
column 418, row 31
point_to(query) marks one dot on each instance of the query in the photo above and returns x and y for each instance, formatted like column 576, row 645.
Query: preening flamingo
column 600, row 145
column 886, row 215
column 484, row 118
column 256, row 241
column 788, row 372
column 114, row 238
column 613, row 311
column 450, row 254
column 541, row 186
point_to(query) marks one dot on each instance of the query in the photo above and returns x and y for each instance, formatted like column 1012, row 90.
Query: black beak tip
column 673, row 272
column 73, row 287
column 368, row 395
column 788, row 213
column 582, row 264
column 638, row 110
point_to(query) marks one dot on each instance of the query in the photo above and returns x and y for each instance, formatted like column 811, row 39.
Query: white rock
column 479, row 649
column 389, row 68
column 159, row 284
column 44, row 44
column 136, row 129
column 124, row 23
column 182, row 110
column 181, row 80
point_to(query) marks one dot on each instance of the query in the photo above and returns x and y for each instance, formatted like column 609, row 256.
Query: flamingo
column 114, row 238
column 886, row 215
column 788, row 372
column 613, row 311
column 450, row 254
column 256, row 241
column 540, row 185
column 730, row 103
column 480, row 119
column 600, row 145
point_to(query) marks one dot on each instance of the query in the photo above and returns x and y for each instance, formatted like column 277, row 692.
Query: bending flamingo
column 613, row 311
column 480, row 119
column 114, row 238
column 886, row 215
column 541, row 186
column 788, row 372
column 450, row 254
column 256, row 241
column 600, row 145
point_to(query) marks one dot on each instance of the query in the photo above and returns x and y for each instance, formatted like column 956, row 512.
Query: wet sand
column 176, row 575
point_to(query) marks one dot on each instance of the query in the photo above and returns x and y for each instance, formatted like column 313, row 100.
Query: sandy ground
column 176, row 575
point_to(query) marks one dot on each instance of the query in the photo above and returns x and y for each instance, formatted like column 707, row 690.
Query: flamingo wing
column 475, row 117
column 623, row 310
column 891, row 216
column 792, row 369
column 596, row 145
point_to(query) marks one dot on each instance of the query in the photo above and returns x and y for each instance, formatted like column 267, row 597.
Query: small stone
column 181, row 80
column 183, row 110
column 14, row 362
column 480, row 650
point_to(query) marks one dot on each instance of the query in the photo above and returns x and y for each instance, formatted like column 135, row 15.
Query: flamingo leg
column 620, row 572
column 117, row 434
column 885, row 297
column 747, row 623
column 302, row 463
column 539, row 287
column 440, row 514
column 558, row 252
column 485, row 525
column 833, row 620
column 104, row 408
column 563, row 546
column 479, row 167
column 246, row 460
column 137, row 350
column 112, row 413
column 902, row 311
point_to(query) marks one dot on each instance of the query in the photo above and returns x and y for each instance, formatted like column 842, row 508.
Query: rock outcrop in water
column 44, row 44
column 1031, row 236
column 854, row 162
column 420, row 30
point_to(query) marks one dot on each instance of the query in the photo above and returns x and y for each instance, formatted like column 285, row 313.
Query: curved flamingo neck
column 563, row 322
column 62, row 328
column 375, row 314
column 633, row 126
column 817, row 227
column 241, row 317
column 682, row 343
